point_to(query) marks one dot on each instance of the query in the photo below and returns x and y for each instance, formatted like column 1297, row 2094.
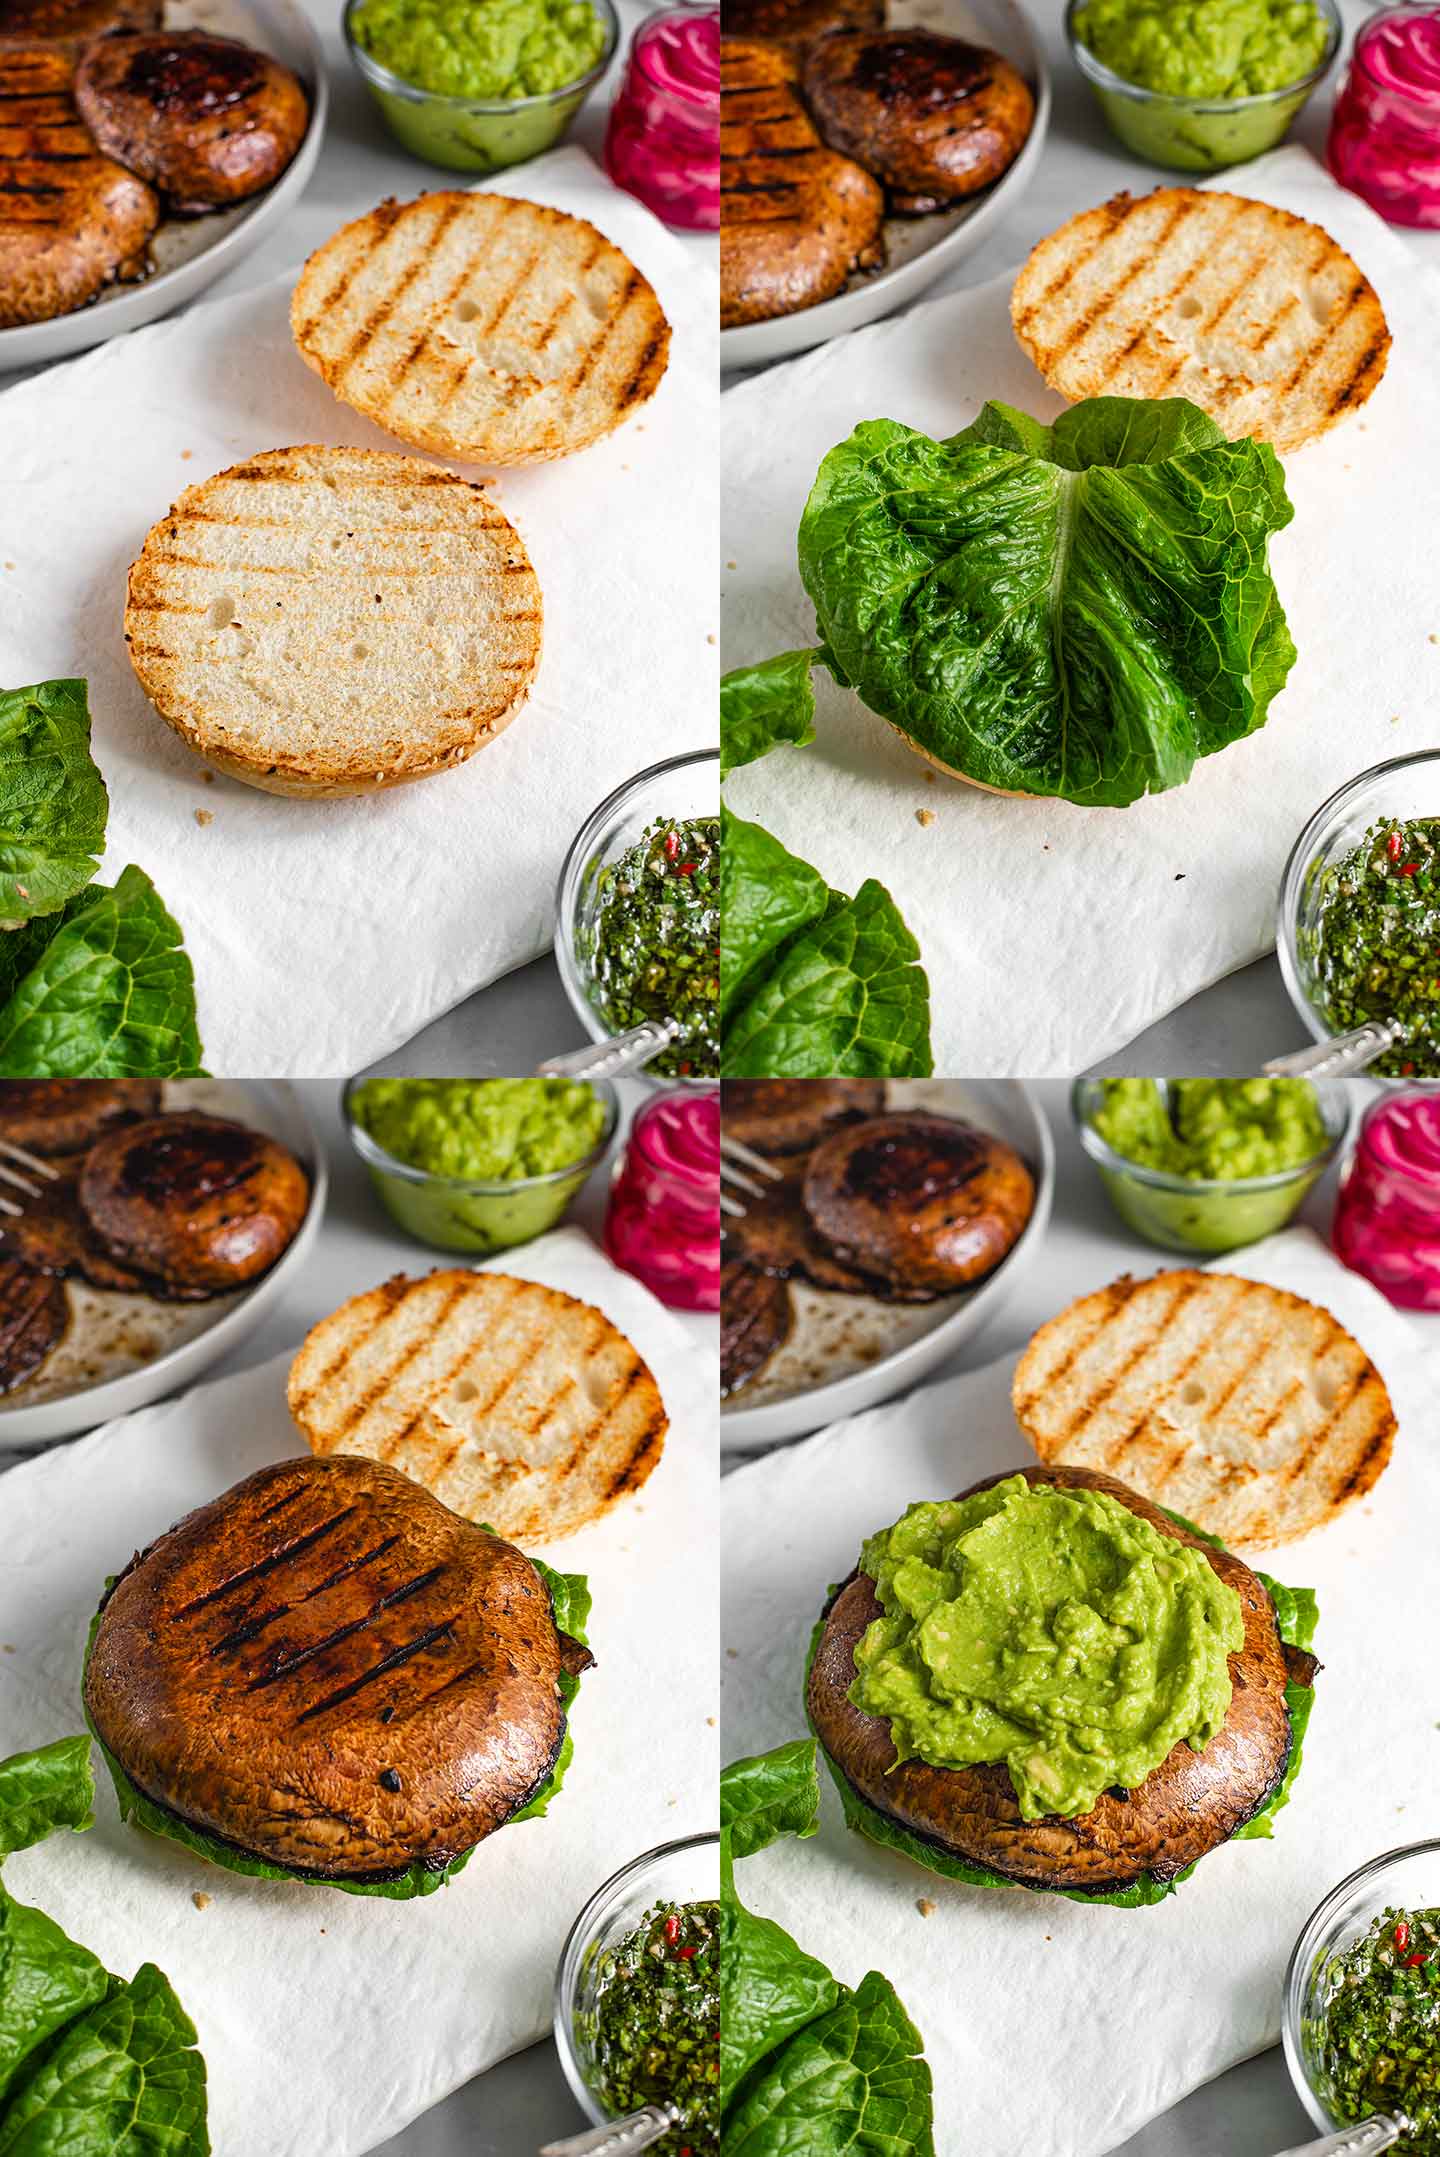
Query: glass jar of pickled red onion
column 663, row 139
column 1387, row 1216
column 1385, row 130
column 663, row 1220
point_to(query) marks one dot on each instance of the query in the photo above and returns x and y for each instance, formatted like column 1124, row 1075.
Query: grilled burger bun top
column 1255, row 315
column 204, row 1203
column 329, row 1671
column 1187, row 1807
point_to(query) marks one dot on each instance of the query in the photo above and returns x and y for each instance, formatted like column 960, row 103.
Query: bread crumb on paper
column 925, row 817
column 925, row 1906
column 200, row 1899
column 204, row 816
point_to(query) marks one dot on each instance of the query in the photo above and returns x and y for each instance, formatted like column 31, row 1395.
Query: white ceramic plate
column 918, row 249
column 881, row 1348
column 105, row 1327
column 189, row 253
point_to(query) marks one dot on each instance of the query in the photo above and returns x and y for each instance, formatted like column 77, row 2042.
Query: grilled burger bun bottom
column 1187, row 1807
column 327, row 1671
column 333, row 621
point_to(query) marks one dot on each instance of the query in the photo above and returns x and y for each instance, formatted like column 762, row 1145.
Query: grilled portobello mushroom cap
column 1187, row 1807
column 795, row 217
column 927, row 1204
column 202, row 1203
column 934, row 118
column 67, row 1115
column 755, row 1319
column 330, row 1671
column 55, row 1236
column 34, row 1313
column 71, row 221
column 208, row 120
column 794, row 24
column 787, row 1115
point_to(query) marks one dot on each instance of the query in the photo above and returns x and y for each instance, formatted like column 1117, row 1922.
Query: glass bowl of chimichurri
column 1358, row 935
column 637, row 1994
column 1361, row 2020
column 637, row 930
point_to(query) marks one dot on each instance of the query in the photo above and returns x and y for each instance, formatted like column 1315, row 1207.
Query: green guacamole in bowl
column 1208, row 1165
column 478, row 1164
column 477, row 85
column 1198, row 85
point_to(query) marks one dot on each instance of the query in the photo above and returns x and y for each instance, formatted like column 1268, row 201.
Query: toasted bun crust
column 1252, row 313
column 330, row 621
column 515, row 1404
column 480, row 327
column 1247, row 1409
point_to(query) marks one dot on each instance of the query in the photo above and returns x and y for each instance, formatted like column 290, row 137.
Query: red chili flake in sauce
column 1394, row 846
column 1402, row 1935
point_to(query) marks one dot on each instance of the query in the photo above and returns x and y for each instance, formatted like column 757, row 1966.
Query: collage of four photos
column 719, row 1078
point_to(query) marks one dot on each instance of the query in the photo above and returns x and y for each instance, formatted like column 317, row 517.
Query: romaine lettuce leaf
column 769, row 1795
column 767, row 895
column 844, row 996
column 43, row 1790
column 110, row 993
column 764, row 706
column 122, row 2080
column 46, row 1979
column 1081, row 610
column 850, row 2084
column 53, row 803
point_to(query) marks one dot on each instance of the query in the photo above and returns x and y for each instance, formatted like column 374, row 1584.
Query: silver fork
column 735, row 1160
column 621, row 2138
column 9, row 1151
column 1366, row 2139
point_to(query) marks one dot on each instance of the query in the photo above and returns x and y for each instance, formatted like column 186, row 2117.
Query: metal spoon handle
column 624, row 2138
column 608, row 1059
column 1365, row 2140
column 1339, row 1058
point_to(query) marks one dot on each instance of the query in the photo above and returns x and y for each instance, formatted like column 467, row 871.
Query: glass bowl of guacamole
column 1358, row 935
column 1208, row 1165
column 1198, row 85
column 478, row 1165
column 637, row 1994
column 637, row 914
column 1361, row 2018
column 477, row 85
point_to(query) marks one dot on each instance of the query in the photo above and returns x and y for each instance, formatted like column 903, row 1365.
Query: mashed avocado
column 1050, row 1629
column 1213, row 1129
column 1205, row 48
column 491, row 50
column 482, row 1131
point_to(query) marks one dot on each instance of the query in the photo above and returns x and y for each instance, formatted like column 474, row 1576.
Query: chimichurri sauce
column 1375, row 943
column 654, row 2031
column 1379, row 2037
column 652, row 945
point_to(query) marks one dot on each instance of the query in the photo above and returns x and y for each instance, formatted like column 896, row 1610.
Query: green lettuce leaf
column 1081, row 610
column 763, row 706
column 110, row 994
column 45, row 1790
column 845, row 996
column 53, row 803
column 122, row 2080
column 767, row 896
column 1296, row 1613
column 769, row 1795
column 852, row 2081
column 570, row 1601
column 46, row 1979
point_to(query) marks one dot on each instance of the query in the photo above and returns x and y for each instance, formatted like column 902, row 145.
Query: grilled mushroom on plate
column 933, row 117
column 200, row 1202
